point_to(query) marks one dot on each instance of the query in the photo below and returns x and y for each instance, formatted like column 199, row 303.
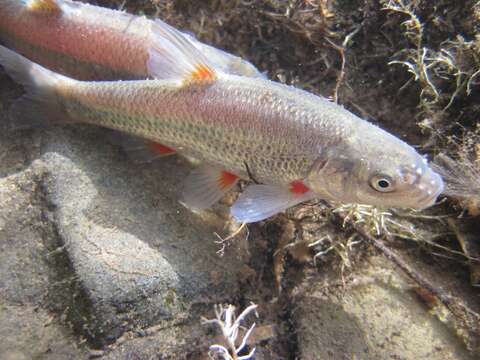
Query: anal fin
column 159, row 149
column 206, row 185
column 140, row 150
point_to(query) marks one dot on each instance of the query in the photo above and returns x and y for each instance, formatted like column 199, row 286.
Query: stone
column 375, row 316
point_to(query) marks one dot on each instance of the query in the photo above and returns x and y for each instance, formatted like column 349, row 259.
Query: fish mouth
column 428, row 189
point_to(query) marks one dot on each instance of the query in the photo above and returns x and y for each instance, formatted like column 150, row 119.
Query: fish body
column 88, row 42
column 297, row 145
column 277, row 131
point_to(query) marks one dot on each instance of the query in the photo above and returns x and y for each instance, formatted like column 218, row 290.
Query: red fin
column 206, row 185
column 140, row 150
column 160, row 149
column 44, row 6
column 227, row 180
column 298, row 187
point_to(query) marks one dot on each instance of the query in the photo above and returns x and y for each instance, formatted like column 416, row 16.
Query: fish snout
column 428, row 189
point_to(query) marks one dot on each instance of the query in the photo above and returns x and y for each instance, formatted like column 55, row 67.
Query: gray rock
column 28, row 326
column 376, row 316
column 103, row 241
column 32, row 333
column 140, row 256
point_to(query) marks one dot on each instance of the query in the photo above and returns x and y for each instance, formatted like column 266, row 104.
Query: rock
column 31, row 333
column 140, row 256
column 28, row 328
column 376, row 316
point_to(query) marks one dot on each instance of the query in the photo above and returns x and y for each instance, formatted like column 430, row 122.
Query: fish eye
column 382, row 183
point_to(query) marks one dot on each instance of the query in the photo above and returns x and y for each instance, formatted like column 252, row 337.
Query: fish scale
column 208, row 124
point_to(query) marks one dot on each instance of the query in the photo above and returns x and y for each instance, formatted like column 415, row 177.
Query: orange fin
column 203, row 73
column 206, row 185
column 146, row 151
column 224, row 61
column 174, row 56
column 44, row 6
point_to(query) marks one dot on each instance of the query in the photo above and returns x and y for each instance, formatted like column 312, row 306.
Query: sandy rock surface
column 376, row 316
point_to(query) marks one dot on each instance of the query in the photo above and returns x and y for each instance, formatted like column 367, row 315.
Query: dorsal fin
column 224, row 61
column 174, row 56
column 44, row 6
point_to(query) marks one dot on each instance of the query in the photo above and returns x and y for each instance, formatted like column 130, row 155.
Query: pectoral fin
column 259, row 202
column 206, row 185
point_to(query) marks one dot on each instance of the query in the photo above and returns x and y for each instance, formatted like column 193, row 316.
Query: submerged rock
column 129, row 254
column 374, row 316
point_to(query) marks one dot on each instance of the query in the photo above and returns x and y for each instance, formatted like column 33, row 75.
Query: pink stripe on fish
column 71, row 35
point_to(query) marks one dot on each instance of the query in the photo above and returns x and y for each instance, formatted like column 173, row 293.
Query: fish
column 296, row 145
column 88, row 42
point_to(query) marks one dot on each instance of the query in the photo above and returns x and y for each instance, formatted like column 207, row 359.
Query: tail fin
column 41, row 104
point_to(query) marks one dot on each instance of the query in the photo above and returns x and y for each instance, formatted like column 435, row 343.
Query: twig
column 341, row 50
column 224, row 242
column 249, row 173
